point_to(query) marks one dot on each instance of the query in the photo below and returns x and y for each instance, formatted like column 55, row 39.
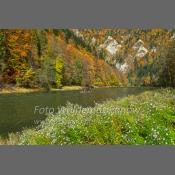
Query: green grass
column 147, row 118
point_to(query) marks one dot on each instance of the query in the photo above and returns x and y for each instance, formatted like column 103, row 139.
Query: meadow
column 144, row 119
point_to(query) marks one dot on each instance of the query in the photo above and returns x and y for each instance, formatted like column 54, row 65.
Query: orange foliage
column 95, row 71
column 18, row 46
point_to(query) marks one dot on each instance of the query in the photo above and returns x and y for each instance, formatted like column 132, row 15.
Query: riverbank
column 147, row 118
column 13, row 90
column 68, row 88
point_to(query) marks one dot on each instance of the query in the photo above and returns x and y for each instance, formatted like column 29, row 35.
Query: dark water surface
column 17, row 110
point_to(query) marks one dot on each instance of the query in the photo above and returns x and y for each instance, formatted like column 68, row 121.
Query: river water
column 18, row 111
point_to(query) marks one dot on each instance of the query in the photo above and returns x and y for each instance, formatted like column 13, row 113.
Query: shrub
column 26, row 79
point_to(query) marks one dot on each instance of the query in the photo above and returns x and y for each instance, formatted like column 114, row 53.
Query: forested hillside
column 145, row 57
column 51, row 58
column 87, row 57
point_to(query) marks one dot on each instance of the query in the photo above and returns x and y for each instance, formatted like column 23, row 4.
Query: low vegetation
column 147, row 118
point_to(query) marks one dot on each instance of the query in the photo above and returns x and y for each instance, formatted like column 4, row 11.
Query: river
column 17, row 111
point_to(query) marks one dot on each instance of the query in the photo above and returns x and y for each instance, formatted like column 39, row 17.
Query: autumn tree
column 18, row 54
column 2, row 55
column 167, row 74
column 59, row 65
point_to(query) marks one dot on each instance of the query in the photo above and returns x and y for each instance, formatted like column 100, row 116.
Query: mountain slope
column 49, row 58
column 138, row 54
column 87, row 57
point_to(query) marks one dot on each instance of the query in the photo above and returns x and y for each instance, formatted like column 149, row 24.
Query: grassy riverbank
column 12, row 90
column 68, row 88
column 17, row 90
column 147, row 118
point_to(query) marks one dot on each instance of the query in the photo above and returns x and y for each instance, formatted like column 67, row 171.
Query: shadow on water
column 17, row 110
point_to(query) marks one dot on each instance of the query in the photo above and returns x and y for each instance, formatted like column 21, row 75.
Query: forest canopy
column 52, row 58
